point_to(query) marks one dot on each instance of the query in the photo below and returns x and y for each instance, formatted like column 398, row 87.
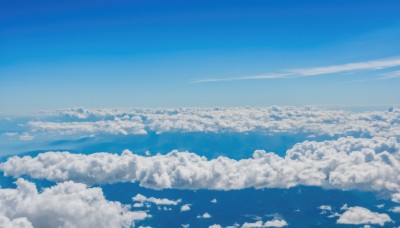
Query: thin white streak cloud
column 143, row 199
column 390, row 75
column 306, row 72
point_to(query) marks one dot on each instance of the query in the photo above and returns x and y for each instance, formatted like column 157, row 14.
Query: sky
column 99, row 54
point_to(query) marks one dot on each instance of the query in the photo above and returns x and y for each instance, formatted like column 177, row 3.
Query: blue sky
column 57, row 54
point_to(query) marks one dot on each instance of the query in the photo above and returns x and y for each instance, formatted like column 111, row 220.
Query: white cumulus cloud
column 276, row 223
column 325, row 207
column 360, row 215
column 66, row 204
column 395, row 209
column 346, row 163
column 185, row 207
column 215, row 226
column 21, row 222
column 206, row 215
column 270, row 223
column 143, row 199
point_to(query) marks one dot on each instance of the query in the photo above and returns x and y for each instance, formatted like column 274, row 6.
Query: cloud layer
column 272, row 120
column 346, row 163
column 66, row 204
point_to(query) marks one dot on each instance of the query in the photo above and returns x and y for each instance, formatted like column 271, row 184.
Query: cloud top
column 346, row 163
column 359, row 215
column 272, row 120
column 66, row 204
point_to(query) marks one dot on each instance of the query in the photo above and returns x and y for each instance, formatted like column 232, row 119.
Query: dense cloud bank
column 346, row 163
column 270, row 120
column 66, row 204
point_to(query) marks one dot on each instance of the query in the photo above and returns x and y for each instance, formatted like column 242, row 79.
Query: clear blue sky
column 59, row 54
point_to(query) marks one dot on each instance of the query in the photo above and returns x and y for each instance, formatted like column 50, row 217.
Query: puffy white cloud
column 271, row 223
column 143, row 199
column 215, row 226
column 396, row 197
column 185, row 207
column 346, row 163
column 233, row 226
column 21, row 222
column 214, row 201
column 206, row 215
column 253, row 224
column 66, row 204
column 395, row 209
column 276, row 223
column 325, row 207
column 360, row 215
column 274, row 119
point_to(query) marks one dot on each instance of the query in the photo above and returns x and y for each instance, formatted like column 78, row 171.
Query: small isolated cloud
column 143, row 199
column 66, row 204
column 214, row 201
column 271, row 223
column 26, row 137
column 276, row 223
column 215, row 226
column 325, row 207
column 10, row 134
column 344, row 207
column 185, row 207
column 361, row 216
column 395, row 209
column 164, row 208
column 253, row 224
column 204, row 216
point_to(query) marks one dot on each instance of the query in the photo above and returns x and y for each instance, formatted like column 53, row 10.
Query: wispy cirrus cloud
column 315, row 71
column 390, row 75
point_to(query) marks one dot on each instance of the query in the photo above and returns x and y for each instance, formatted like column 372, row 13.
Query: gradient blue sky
column 58, row 54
